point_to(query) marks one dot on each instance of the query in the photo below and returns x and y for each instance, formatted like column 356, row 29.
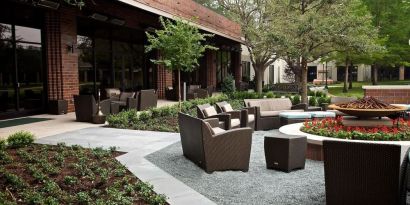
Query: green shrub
column 312, row 101
column 270, row 94
column 83, row 198
column 144, row 116
column 296, row 100
column 20, row 139
column 3, row 144
column 228, row 84
column 323, row 100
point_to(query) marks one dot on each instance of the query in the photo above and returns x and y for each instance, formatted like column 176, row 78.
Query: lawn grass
column 357, row 91
column 46, row 174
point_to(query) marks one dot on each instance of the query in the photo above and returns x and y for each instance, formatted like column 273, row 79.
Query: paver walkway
column 137, row 144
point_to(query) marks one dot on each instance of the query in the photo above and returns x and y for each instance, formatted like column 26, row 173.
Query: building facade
column 53, row 51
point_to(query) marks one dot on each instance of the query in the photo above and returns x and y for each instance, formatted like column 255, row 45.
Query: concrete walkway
column 137, row 144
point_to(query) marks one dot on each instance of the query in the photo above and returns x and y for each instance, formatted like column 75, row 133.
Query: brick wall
column 392, row 96
column 62, row 65
column 189, row 9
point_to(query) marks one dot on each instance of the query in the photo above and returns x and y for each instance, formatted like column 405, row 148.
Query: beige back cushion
column 272, row 104
column 227, row 108
column 209, row 111
column 113, row 93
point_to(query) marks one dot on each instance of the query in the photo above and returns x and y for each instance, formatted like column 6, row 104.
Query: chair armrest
column 235, row 114
column 250, row 110
column 226, row 118
column 214, row 122
column 132, row 103
column 190, row 96
column 234, row 133
column 302, row 106
column 105, row 106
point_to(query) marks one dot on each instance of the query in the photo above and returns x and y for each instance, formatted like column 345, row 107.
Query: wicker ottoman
column 285, row 152
column 293, row 117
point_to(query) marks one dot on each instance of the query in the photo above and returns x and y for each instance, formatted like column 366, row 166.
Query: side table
column 285, row 152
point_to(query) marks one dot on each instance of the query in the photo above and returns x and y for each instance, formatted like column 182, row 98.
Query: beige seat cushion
column 251, row 118
column 113, row 93
column 217, row 130
column 227, row 108
column 209, row 111
column 235, row 122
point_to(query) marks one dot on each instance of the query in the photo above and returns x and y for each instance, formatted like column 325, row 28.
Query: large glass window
column 223, row 65
column 21, row 70
column 246, row 71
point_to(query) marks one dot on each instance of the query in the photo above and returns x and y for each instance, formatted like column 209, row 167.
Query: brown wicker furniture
column 364, row 173
column 147, row 99
column 247, row 114
column 86, row 107
column 214, row 149
column 126, row 100
column 226, row 121
column 285, row 152
column 267, row 111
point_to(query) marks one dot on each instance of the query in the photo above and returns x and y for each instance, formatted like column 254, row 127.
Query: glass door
column 21, row 70
column 7, row 70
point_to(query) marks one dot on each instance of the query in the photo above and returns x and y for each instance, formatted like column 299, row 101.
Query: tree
column 311, row 29
column 357, row 40
column 392, row 19
column 180, row 45
column 255, row 20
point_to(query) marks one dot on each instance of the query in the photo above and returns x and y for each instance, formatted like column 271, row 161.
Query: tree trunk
column 304, row 70
column 374, row 74
column 179, row 89
column 351, row 76
column 346, row 75
column 259, row 74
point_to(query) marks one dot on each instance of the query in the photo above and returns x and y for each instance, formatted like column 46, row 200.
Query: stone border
column 386, row 87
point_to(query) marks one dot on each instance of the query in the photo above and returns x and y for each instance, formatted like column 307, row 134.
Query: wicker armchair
column 86, row 107
column 267, row 111
column 214, row 149
column 227, row 121
column 147, row 99
column 364, row 173
column 247, row 114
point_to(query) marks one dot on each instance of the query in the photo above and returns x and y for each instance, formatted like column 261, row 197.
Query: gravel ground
column 258, row 186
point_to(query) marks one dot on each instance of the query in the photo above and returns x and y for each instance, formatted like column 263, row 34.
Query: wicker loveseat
column 227, row 121
column 212, row 148
column 268, row 110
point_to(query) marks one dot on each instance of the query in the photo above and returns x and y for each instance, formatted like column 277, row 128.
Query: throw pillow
column 210, row 111
column 227, row 108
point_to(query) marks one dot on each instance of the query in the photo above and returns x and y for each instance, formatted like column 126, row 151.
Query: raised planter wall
column 393, row 94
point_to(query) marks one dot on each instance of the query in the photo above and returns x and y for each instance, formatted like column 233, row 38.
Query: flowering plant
column 400, row 130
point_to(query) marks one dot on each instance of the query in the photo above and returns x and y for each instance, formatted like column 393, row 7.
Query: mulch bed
column 46, row 174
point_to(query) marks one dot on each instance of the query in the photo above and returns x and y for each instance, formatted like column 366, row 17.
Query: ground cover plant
column 47, row 174
column 400, row 130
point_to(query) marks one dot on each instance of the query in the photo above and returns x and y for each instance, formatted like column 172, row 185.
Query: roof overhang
column 172, row 16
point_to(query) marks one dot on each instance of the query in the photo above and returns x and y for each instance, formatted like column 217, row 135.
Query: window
column 271, row 74
column 246, row 71
column 223, row 65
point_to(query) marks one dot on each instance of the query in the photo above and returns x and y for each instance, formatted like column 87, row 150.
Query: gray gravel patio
column 258, row 186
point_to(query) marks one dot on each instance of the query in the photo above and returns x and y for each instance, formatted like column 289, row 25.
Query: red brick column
column 62, row 64
column 236, row 68
column 164, row 79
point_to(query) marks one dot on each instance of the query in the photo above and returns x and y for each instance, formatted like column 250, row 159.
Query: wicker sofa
column 212, row 148
column 126, row 100
column 147, row 99
column 364, row 173
column 267, row 111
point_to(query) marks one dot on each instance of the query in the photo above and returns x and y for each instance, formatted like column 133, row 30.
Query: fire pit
column 368, row 107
